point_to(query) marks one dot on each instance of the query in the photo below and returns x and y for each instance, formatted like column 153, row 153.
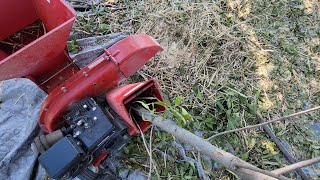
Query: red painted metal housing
column 121, row 98
column 42, row 57
column 118, row 62
column 44, row 60
column 99, row 159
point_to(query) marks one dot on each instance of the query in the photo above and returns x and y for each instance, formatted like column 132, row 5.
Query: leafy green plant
column 290, row 49
column 230, row 104
column 104, row 27
column 269, row 147
column 179, row 113
column 74, row 46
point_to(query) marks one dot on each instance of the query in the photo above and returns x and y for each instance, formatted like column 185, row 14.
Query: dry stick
column 205, row 177
column 197, row 164
column 149, row 153
column 272, row 174
column 261, row 124
column 280, row 145
column 297, row 165
column 150, row 150
column 79, row 7
column 222, row 157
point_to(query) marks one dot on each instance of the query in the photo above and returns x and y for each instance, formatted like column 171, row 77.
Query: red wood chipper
column 85, row 116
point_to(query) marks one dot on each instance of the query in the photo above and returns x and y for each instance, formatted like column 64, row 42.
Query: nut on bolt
column 85, row 74
column 76, row 134
column 79, row 122
column 64, row 89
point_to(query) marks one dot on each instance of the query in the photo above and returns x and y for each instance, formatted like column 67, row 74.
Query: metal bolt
column 76, row 134
column 94, row 108
column 93, row 169
column 107, row 57
column 79, row 122
column 95, row 118
column 86, row 125
column 85, row 106
column 78, row 143
column 85, row 74
column 64, row 89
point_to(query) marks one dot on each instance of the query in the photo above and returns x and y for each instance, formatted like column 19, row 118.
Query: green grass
column 226, row 59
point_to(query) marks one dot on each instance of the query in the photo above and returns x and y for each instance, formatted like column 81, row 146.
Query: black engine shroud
column 90, row 130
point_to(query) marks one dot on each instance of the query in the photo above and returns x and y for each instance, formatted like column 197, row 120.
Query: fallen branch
column 81, row 7
column 198, row 165
column 280, row 145
column 265, row 123
column 226, row 159
column 250, row 167
column 297, row 165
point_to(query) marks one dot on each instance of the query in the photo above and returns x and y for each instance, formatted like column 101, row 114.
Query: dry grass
column 225, row 57
column 201, row 51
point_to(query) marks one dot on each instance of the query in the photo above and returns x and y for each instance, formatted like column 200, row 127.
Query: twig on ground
column 280, row 145
column 118, row 9
column 81, row 7
column 82, row 31
column 150, row 150
column 224, row 158
column 205, row 176
column 164, row 154
column 272, row 174
column 265, row 123
column 297, row 165
column 182, row 152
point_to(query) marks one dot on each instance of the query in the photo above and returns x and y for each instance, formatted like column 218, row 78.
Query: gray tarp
column 19, row 110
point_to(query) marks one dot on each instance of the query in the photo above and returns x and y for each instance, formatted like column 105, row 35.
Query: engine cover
column 89, row 133
column 91, row 125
